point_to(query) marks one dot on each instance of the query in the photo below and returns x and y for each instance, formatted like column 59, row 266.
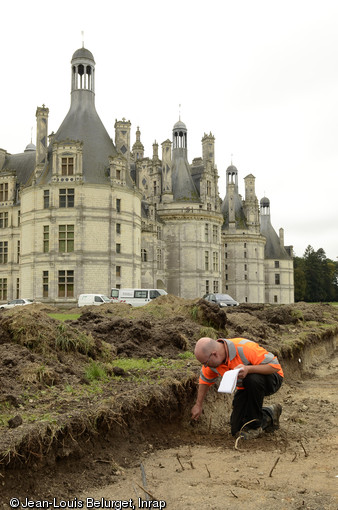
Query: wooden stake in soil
column 144, row 481
column 178, row 458
column 273, row 467
column 301, row 444
column 147, row 492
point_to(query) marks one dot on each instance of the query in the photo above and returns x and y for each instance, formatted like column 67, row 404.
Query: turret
column 208, row 149
column 138, row 148
column 183, row 185
column 41, row 136
column 122, row 137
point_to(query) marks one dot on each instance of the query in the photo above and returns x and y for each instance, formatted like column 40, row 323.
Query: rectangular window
column 118, row 205
column 155, row 188
column 215, row 260
column 4, row 192
column 66, row 197
column 276, row 264
column 277, row 279
column 17, row 288
column 66, row 284
column 215, row 286
column 3, row 289
column 118, row 271
column 66, row 238
column 3, row 252
column 118, row 174
column 45, row 283
column 206, row 260
column 245, row 254
column 159, row 258
column 159, row 233
column 214, row 234
column 143, row 255
column 46, row 198
column 206, row 232
column 208, row 188
column 118, row 228
column 118, row 248
column 45, row 238
column 3, row 219
column 18, row 251
column 67, row 166
column 245, row 267
column 275, row 299
column 207, row 288
column 19, row 218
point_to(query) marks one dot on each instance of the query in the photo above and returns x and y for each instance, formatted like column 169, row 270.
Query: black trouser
column 248, row 403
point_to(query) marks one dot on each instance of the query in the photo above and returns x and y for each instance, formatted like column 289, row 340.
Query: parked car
column 221, row 299
column 92, row 299
column 17, row 302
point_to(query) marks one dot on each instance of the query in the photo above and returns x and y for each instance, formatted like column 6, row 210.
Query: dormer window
column 67, row 161
column 4, row 192
column 67, row 166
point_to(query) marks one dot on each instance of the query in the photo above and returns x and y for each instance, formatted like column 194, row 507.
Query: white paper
column 229, row 381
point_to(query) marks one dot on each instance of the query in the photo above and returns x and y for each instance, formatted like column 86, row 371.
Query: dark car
column 221, row 299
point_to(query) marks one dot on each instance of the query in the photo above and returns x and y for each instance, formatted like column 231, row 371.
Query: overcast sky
column 261, row 75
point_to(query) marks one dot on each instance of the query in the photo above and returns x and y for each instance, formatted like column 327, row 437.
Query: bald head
column 204, row 347
column 210, row 353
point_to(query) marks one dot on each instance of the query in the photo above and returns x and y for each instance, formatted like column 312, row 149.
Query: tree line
column 315, row 276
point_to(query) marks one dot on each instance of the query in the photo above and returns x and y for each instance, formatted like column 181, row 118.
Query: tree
column 316, row 277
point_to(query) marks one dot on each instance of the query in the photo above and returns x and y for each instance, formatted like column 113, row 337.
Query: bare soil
column 67, row 436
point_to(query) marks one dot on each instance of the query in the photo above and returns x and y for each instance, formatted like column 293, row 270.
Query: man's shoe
column 251, row 433
column 274, row 411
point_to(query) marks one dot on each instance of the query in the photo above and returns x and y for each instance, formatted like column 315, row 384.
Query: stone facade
column 79, row 213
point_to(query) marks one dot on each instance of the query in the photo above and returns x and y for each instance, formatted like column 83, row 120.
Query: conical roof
column 273, row 248
column 82, row 123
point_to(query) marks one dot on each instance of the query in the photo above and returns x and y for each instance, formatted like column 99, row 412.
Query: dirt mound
column 167, row 326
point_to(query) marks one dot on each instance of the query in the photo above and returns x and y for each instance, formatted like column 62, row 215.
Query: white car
column 17, row 302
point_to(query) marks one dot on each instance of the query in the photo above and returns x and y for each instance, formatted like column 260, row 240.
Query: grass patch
column 95, row 372
column 141, row 363
column 67, row 341
column 186, row 355
column 64, row 316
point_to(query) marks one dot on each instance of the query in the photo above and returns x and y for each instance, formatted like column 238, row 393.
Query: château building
column 80, row 213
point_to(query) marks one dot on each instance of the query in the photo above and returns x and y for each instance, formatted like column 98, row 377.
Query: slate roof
column 273, row 248
column 23, row 164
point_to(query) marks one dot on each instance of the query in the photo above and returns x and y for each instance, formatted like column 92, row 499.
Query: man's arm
column 196, row 411
column 255, row 369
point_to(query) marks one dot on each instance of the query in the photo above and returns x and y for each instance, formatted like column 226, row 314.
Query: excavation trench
column 78, row 436
column 102, row 449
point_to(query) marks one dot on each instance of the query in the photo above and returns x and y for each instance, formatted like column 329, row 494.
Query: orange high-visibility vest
column 241, row 352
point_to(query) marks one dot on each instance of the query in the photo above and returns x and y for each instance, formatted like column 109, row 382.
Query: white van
column 92, row 299
column 136, row 297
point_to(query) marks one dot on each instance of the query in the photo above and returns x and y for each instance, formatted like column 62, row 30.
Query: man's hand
column 244, row 370
column 196, row 412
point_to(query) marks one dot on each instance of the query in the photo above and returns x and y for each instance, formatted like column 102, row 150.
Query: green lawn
column 64, row 316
